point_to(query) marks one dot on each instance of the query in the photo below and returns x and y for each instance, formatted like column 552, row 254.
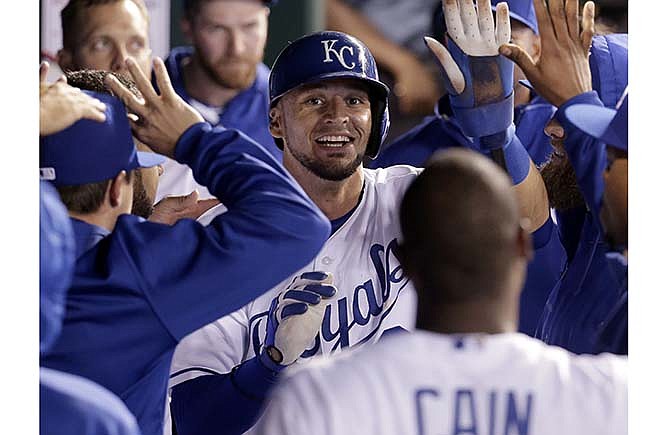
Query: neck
column 334, row 198
column 496, row 314
column 202, row 87
column 104, row 220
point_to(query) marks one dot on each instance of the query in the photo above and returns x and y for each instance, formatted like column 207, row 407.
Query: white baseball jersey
column 373, row 295
column 429, row 384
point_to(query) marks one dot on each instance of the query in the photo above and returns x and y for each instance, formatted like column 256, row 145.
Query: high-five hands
column 480, row 81
column 157, row 120
column 474, row 36
column 562, row 71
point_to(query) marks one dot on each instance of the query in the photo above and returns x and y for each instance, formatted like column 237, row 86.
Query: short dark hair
column 71, row 14
column 87, row 198
column 459, row 220
column 94, row 80
column 192, row 7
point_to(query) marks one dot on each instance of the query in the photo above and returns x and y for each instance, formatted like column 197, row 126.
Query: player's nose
column 336, row 111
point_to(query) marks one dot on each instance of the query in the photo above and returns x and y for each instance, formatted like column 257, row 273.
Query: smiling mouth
column 334, row 141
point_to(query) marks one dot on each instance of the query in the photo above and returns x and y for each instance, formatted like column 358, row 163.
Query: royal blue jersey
column 247, row 111
column 70, row 404
column 592, row 286
column 441, row 132
column 145, row 286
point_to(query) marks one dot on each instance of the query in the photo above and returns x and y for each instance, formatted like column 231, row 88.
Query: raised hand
column 62, row 105
column 562, row 71
column 295, row 317
column 472, row 35
column 157, row 120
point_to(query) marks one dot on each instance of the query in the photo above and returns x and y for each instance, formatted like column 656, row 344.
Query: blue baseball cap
column 522, row 11
column 608, row 125
column 90, row 151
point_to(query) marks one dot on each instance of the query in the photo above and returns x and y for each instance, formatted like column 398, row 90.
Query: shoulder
column 78, row 401
column 397, row 175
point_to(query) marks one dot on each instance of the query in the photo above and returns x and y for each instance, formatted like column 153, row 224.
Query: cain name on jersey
column 374, row 295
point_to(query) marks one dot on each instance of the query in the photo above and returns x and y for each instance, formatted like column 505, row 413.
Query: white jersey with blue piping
column 428, row 383
column 374, row 295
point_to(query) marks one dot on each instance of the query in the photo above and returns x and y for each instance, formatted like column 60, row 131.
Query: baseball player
column 610, row 127
column 572, row 64
column 221, row 75
column 465, row 370
column 68, row 403
column 531, row 113
column 326, row 115
column 139, row 287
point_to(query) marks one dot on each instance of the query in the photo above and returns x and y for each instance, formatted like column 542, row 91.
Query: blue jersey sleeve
column 229, row 402
column 587, row 155
column 194, row 274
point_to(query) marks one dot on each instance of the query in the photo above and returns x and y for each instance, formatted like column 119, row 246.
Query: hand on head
column 562, row 71
column 160, row 119
column 62, row 105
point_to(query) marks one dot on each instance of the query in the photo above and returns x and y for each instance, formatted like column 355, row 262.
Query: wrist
column 270, row 358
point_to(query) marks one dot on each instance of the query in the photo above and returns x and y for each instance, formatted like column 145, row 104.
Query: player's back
column 427, row 383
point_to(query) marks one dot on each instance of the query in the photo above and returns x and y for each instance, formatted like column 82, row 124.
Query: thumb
column 454, row 74
column 189, row 200
column 205, row 204
column 520, row 57
column 44, row 71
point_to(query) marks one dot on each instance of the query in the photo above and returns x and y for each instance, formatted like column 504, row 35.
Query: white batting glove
column 295, row 317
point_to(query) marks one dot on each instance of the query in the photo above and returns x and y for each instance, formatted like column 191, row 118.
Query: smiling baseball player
column 326, row 116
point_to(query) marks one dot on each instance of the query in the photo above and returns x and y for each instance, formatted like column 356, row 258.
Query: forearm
column 586, row 154
column 222, row 404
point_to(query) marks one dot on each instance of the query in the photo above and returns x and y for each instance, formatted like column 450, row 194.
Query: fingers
column 303, row 296
column 485, row 21
column 452, row 20
column 62, row 79
column 292, row 310
column 326, row 291
column 317, row 276
column 94, row 111
column 544, row 24
column 141, row 81
column 572, row 18
column 503, row 26
column 469, row 19
column 44, row 71
column 163, row 79
column 557, row 11
column 454, row 74
column 588, row 25
column 520, row 57
column 128, row 98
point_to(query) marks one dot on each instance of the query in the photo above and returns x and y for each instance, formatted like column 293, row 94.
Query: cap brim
column 592, row 120
column 148, row 160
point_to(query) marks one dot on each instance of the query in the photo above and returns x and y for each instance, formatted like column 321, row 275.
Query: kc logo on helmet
column 339, row 55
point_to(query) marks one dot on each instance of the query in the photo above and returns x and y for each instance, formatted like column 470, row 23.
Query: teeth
column 338, row 139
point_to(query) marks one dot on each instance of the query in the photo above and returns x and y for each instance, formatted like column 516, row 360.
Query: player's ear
column 186, row 29
column 405, row 260
column 524, row 244
column 536, row 49
column 116, row 189
column 276, row 124
column 65, row 60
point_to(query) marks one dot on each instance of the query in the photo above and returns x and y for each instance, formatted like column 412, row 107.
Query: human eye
column 356, row 100
column 101, row 44
column 314, row 101
column 136, row 46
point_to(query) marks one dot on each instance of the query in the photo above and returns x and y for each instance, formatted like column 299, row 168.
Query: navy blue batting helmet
column 331, row 55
